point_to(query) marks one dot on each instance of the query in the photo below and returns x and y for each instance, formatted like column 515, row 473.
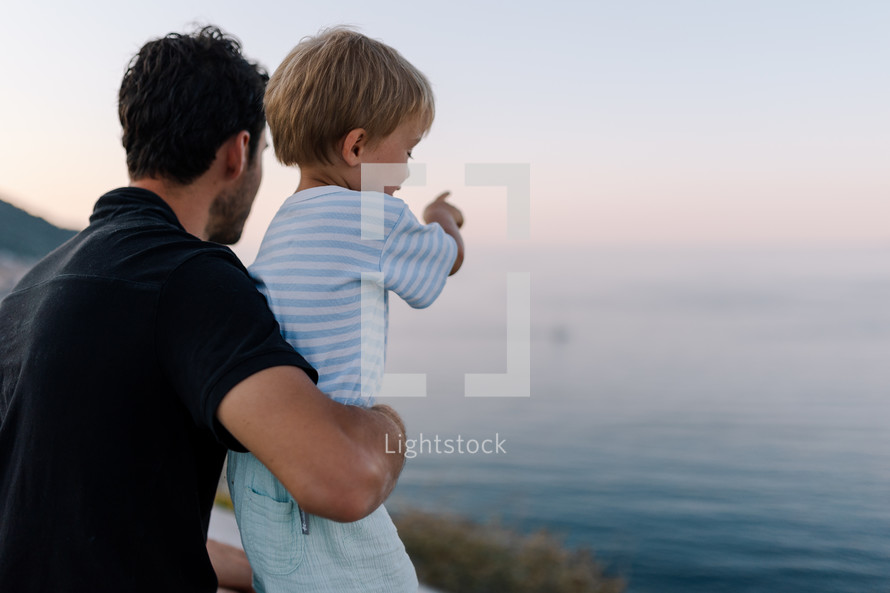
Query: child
column 339, row 101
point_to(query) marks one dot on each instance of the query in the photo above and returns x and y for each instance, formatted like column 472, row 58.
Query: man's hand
column 395, row 448
column 391, row 414
column 231, row 567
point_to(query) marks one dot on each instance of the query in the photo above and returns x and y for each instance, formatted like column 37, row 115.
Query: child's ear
column 353, row 146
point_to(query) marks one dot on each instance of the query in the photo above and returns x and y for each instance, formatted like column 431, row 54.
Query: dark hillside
column 28, row 237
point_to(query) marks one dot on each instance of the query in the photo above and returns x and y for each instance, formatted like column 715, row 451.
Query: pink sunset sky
column 641, row 122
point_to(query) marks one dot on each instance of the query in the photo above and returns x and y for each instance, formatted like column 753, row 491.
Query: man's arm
column 338, row 461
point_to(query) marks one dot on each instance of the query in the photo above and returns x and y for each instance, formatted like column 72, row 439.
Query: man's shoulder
column 139, row 247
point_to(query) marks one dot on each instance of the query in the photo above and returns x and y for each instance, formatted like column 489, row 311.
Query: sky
column 641, row 122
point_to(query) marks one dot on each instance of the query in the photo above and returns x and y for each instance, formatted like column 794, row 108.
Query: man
column 135, row 354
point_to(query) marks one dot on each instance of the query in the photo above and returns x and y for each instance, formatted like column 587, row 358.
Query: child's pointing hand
column 434, row 211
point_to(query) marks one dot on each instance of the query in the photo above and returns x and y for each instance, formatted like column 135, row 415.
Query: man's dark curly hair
column 182, row 97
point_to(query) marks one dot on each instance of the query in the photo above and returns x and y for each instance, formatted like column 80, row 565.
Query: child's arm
column 450, row 219
column 417, row 258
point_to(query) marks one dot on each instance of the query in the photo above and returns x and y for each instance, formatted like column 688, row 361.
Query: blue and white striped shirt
column 328, row 287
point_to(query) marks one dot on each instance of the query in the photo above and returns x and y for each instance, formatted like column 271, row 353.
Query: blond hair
column 336, row 82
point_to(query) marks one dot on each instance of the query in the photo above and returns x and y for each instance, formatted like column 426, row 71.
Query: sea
column 704, row 419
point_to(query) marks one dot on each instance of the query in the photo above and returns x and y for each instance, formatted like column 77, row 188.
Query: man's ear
column 237, row 154
column 353, row 145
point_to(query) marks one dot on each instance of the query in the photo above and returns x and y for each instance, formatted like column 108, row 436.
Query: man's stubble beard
column 229, row 211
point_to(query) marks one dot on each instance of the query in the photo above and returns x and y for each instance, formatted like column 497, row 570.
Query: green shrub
column 459, row 556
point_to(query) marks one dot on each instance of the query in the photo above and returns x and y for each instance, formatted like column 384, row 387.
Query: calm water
column 705, row 421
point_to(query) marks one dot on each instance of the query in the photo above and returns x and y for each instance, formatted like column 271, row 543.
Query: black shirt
column 115, row 351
